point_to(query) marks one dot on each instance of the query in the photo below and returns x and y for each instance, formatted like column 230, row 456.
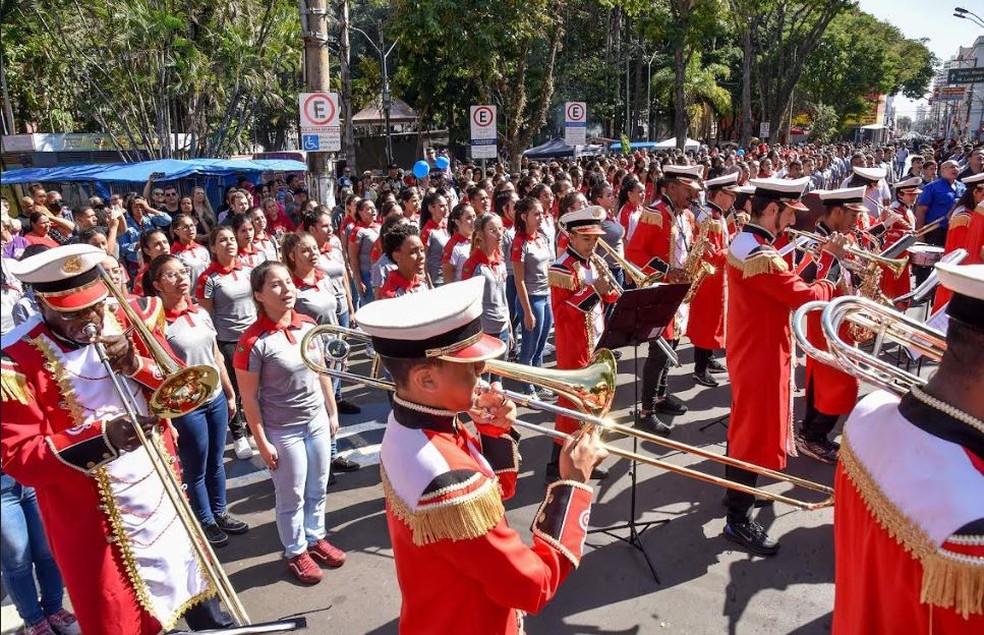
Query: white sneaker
column 242, row 449
column 548, row 349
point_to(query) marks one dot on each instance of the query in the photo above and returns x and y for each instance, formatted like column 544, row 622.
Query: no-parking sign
column 575, row 123
column 320, row 129
column 483, row 134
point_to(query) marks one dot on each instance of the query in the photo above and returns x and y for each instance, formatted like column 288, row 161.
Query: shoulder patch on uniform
column 560, row 278
column 960, row 220
column 651, row 218
column 13, row 383
column 765, row 261
column 456, row 505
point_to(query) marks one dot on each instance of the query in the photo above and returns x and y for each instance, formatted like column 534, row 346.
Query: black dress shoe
column 670, row 405
column 215, row 536
column 344, row 465
column 617, row 354
column 231, row 525
column 598, row 474
column 652, row 423
column 552, row 475
column 751, row 535
column 716, row 367
column 704, row 379
column 332, row 479
column 346, row 407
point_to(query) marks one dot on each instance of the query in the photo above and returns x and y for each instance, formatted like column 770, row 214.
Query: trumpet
column 592, row 390
column 637, row 275
column 885, row 323
column 860, row 260
column 183, row 390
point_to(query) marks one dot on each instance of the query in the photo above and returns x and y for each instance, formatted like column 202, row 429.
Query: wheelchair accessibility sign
column 319, row 124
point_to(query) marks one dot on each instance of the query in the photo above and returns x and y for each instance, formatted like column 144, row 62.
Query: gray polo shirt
column 195, row 257
column 495, row 308
column 434, row 239
column 536, row 256
column 317, row 301
column 332, row 263
column 232, row 300
column 191, row 336
column 288, row 392
column 365, row 237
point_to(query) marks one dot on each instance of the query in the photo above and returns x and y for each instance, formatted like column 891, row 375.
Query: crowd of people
column 237, row 288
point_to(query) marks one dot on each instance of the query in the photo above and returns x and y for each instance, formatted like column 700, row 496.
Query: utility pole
column 314, row 30
column 345, row 49
column 387, row 99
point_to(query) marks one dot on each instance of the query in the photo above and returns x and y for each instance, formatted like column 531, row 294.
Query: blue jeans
column 531, row 351
column 299, row 482
column 512, row 300
column 343, row 320
column 201, row 446
column 24, row 551
column 369, row 295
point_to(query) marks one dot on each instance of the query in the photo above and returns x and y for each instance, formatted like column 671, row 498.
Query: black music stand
column 639, row 316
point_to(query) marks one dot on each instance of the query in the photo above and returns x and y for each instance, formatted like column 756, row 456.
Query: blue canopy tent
column 106, row 178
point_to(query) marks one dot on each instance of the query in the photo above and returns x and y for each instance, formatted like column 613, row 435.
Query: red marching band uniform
column 966, row 231
column 705, row 328
column 460, row 566
column 762, row 292
column 894, row 286
column 908, row 521
column 579, row 321
column 128, row 564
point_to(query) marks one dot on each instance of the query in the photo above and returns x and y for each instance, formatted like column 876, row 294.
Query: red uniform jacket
column 578, row 317
column 705, row 328
column 762, row 293
column 966, row 230
column 654, row 244
column 893, row 286
column 44, row 446
column 908, row 521
column 460, row 567
column 834, row 391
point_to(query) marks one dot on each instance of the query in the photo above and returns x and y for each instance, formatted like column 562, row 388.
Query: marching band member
column 906, row 193
column 661, row 243
column 460, row 567
column 578, row 293
column 909, row 515
column 739, row 213
column 966, row 231
column 705, row 328
column 128, row 565
column 830, row 392
column 762, row 292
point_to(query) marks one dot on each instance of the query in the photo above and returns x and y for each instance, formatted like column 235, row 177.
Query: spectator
column 363, row 236
column 531, row 256
column 186, row 248
column 459, row 246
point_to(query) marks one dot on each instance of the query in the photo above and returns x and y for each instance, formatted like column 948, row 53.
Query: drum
column 922, row 255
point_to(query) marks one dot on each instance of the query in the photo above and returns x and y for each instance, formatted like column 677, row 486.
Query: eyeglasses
column 173, row 276
column 170, row 193
column 157, row 193
column 71, row 316
column 184, row 226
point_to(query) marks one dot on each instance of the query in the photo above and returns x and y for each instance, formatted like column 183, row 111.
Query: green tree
column 704, row 98
column 825, row 123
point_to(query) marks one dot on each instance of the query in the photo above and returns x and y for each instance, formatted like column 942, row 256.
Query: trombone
column 182, row 390
column 861, row 260
column 885, row 323
column 592, row 390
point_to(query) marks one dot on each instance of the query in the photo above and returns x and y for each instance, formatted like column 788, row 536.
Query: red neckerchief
column 507, row 223
column 430, row 225
column 458, row 238
column 173, row 314
column 300, row 284
column 269, row 326
column 215, row 267
column 478, row 257
column 248, row 250
column 531, row 238
column 177, row 247
column 326, row 248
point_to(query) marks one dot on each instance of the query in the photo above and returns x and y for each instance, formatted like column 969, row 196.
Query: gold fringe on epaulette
column 463, row 518
column 949, row 580
column 560, row 280
column 651, row 218
column 768, row 262
column 13, row 386
column 960, row 220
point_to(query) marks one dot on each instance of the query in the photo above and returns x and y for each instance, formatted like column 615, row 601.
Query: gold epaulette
column 762, row 262
column 651, row 218
column 560, row 279
column 467, row 510
column 711, row 225
column 960, row 220
column 13, row 384
column 948, row 580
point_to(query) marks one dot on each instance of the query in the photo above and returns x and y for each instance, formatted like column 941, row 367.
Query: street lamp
column 387, row 101
column 960, row 12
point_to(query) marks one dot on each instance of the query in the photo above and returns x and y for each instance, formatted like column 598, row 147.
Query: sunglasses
column 71, row 316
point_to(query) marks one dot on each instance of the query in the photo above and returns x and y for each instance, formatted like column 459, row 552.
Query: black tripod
column 638, row 314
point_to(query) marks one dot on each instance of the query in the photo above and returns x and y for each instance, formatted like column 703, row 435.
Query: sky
column 922, row 19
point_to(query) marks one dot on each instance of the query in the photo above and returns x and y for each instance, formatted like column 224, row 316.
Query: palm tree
column 705, row 98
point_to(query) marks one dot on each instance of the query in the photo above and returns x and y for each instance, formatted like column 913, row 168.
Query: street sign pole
column 483, row 133
column 314, row 31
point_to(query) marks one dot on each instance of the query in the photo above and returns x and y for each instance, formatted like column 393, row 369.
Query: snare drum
column 922, row 255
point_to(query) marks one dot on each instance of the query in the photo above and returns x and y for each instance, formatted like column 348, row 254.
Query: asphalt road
column 706, row 585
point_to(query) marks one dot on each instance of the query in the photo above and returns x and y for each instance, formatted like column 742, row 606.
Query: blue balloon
column 442, row 163
column 421, row 169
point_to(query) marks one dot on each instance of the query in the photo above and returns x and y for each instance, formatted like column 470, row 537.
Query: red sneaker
column 305, row 569
column 327, row 554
